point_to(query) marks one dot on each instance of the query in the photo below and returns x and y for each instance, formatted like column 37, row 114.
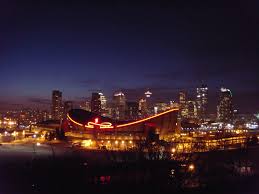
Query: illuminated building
column 103, row 100
column 191, row 109
column 161, row 107
column 96, row 103
column 132, row 111
column 86, row 105
column 202, row 101
column 119, row 106
column 89, row 125
column 56, row 109
column 225, row 107
column 143, row 108
column 149, row 110
column 174, row 104
column 182, row 105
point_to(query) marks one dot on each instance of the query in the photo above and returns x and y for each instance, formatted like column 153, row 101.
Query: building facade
column 202, row 102
column 96, row 103
column 225, row 106
column 183, row 111
column 56, row 107
column 119, row 106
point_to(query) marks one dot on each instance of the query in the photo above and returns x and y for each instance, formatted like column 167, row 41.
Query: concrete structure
column 225, row 107
column 92, row 126
column 96, row 103
column 56, row 107
column 202, row 102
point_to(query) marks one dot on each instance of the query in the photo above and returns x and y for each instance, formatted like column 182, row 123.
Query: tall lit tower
column 103, row 104
column 96, row 103
column 202, row 101
column 119, row 106
column 148, row 99
column 225, row 107
column 56, row 108
column 183, row 105
column 103, row 101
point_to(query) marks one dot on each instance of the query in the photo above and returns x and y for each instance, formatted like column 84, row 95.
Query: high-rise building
column 68, row 105
column 143, row 108
column 96, row 103
column 132, row 111
column 103, row 100
column 202, row 101
column 183, row 105
column 191, row 109
column 119, row 106
column 56, row 109
column 148, row 99
column 225, row 107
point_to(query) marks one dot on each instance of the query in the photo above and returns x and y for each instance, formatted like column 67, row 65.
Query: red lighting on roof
column 96, row 120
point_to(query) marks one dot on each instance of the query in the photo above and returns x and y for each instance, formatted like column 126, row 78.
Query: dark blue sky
column 165, row 45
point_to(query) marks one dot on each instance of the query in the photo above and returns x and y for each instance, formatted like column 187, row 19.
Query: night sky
column 167, row 46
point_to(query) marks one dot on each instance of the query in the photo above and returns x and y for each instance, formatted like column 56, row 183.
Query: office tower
column 103, row 100
column 96, row 103
column 202, row 101
column 182, row 105
column 148, row 99
column 225, row 107
column 56, row 109
column 143, row 108
column 132, row 111
column 68, row 105
column 119, row 106
column 191, row 109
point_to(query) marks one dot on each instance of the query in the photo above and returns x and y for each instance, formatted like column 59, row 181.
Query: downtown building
column 56, row 106
column 183, row 110
column 119, row 106
column 225, row 111
column 202, row 102
column 96, row 105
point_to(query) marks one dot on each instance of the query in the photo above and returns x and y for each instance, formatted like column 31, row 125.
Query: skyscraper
column 143, row 108
column 56, row 108
column 103, row 104
column 148, row 99
column 183, row 105
column 96, row 103
column 225, row 107
column 202, row 101
column 191, row 110
column 132, row 111
column 119, row 106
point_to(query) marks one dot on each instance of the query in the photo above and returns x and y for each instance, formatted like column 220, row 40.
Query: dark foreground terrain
column 73, row 171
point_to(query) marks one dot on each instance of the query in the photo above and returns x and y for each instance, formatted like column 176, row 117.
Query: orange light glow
column 104, row 125
column 108, row 125
column 146, row 119
column 73, row 120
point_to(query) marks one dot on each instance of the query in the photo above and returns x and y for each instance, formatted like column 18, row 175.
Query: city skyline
column 166, row 47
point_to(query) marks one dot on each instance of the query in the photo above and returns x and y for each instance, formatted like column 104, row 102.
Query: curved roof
column 82, row 116
column 85, row 118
